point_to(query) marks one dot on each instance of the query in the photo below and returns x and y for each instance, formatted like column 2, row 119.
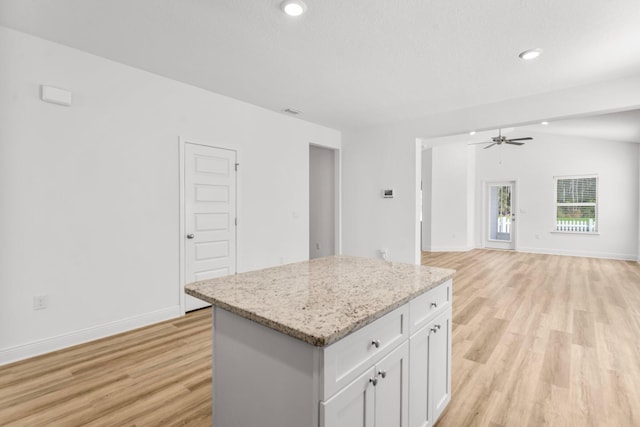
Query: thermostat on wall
column 387, row 194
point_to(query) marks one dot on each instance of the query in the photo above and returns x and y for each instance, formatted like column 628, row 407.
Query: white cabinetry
column 353, row 406
column 378, row 397
column 393, row 372
column 430, row 362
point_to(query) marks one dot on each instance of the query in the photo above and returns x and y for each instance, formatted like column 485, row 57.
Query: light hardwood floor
column 537, row 340
column 155, row 376
column 543, row 340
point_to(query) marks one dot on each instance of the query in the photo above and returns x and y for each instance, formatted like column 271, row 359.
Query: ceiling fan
column 498, row 140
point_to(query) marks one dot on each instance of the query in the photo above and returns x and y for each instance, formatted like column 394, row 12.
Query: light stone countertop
column 322, row 300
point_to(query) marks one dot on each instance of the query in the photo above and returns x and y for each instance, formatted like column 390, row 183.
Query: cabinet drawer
column 352, row 355
column 423, row 308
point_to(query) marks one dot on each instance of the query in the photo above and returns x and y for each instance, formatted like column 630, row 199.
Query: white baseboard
column 35, row 348
column 450, row 249
column 586, row 254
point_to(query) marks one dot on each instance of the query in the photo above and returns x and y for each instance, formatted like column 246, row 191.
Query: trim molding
column 58, row 342
column 587, row 254
column 450, row 249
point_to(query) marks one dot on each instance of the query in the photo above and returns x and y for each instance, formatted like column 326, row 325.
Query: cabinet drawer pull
column 373, row 381
column 434, row 304
column 375, row 343
column 383, row 374
column 434, row 330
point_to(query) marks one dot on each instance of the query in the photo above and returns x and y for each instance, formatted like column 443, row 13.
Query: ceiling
column 355, row 63
column 621, row 127
column 614, row 127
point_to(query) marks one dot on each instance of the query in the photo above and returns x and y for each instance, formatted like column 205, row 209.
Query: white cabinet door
column 440, row 363
column 420, row 408
column 392, row 389
column 353, row 406
column 430, row 371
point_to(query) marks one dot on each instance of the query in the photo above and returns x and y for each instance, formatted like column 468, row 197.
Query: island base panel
column 262, row 377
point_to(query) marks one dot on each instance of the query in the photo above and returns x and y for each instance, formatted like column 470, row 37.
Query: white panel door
column 392, row 389
column 353, row 406
column 440, row 363
column 210, row 215
column 420, row 407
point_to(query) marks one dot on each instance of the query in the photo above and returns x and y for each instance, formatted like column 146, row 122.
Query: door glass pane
column 500, row 213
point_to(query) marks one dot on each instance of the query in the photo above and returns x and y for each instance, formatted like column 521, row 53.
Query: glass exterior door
column 501, row 224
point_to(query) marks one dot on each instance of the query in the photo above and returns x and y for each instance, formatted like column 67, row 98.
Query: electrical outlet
column 40, row 302
column 317, row 245
column 384, row 253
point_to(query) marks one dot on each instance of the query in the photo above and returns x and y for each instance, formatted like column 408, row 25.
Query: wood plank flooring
column 537, row 340
column 154, row 376
column 543, row 340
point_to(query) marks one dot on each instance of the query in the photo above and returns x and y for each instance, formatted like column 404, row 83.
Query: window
column 577, row 204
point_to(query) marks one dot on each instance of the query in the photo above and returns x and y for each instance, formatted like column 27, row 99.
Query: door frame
column 181, row 211
column 485, row 211
column 337, row 194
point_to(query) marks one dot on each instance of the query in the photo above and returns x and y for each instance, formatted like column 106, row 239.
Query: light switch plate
column 55, row 95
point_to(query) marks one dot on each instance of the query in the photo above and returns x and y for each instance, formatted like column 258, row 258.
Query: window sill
column 589, row 233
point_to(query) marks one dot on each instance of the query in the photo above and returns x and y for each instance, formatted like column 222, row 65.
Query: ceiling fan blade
column 478, row 143
column 490, row 145
column 514, row 143
column 520, row 139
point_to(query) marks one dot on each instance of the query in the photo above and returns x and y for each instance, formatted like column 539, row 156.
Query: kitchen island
column 336, row 341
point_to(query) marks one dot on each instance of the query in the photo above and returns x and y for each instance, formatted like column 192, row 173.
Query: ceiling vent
column 292, row 111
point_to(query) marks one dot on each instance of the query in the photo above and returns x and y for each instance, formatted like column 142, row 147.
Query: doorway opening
column 322, row 202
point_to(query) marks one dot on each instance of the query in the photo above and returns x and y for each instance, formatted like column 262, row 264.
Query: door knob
column 190, row 236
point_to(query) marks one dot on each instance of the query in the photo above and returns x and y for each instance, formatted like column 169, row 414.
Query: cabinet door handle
column 438, row 326
column 373, row 381
column 375, row 343
column 383, row 374
column 434, row 330
column 434, row 304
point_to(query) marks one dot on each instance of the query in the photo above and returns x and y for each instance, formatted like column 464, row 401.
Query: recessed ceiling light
column 473, row 132
column 530, row 54
column 544, row 123
column 293, row 7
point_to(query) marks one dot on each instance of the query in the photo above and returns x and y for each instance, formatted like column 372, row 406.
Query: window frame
column 594, row 205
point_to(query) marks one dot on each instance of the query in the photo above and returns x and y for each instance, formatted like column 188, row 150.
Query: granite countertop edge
column 320, row 340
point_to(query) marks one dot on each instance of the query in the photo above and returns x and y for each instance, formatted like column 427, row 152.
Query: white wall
column 472, row 198
column 375, row 160
column 427, row 185
column 451, row 192
column 89, row 193
column 534, row 166
column 321, row 202
column 378, row 156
